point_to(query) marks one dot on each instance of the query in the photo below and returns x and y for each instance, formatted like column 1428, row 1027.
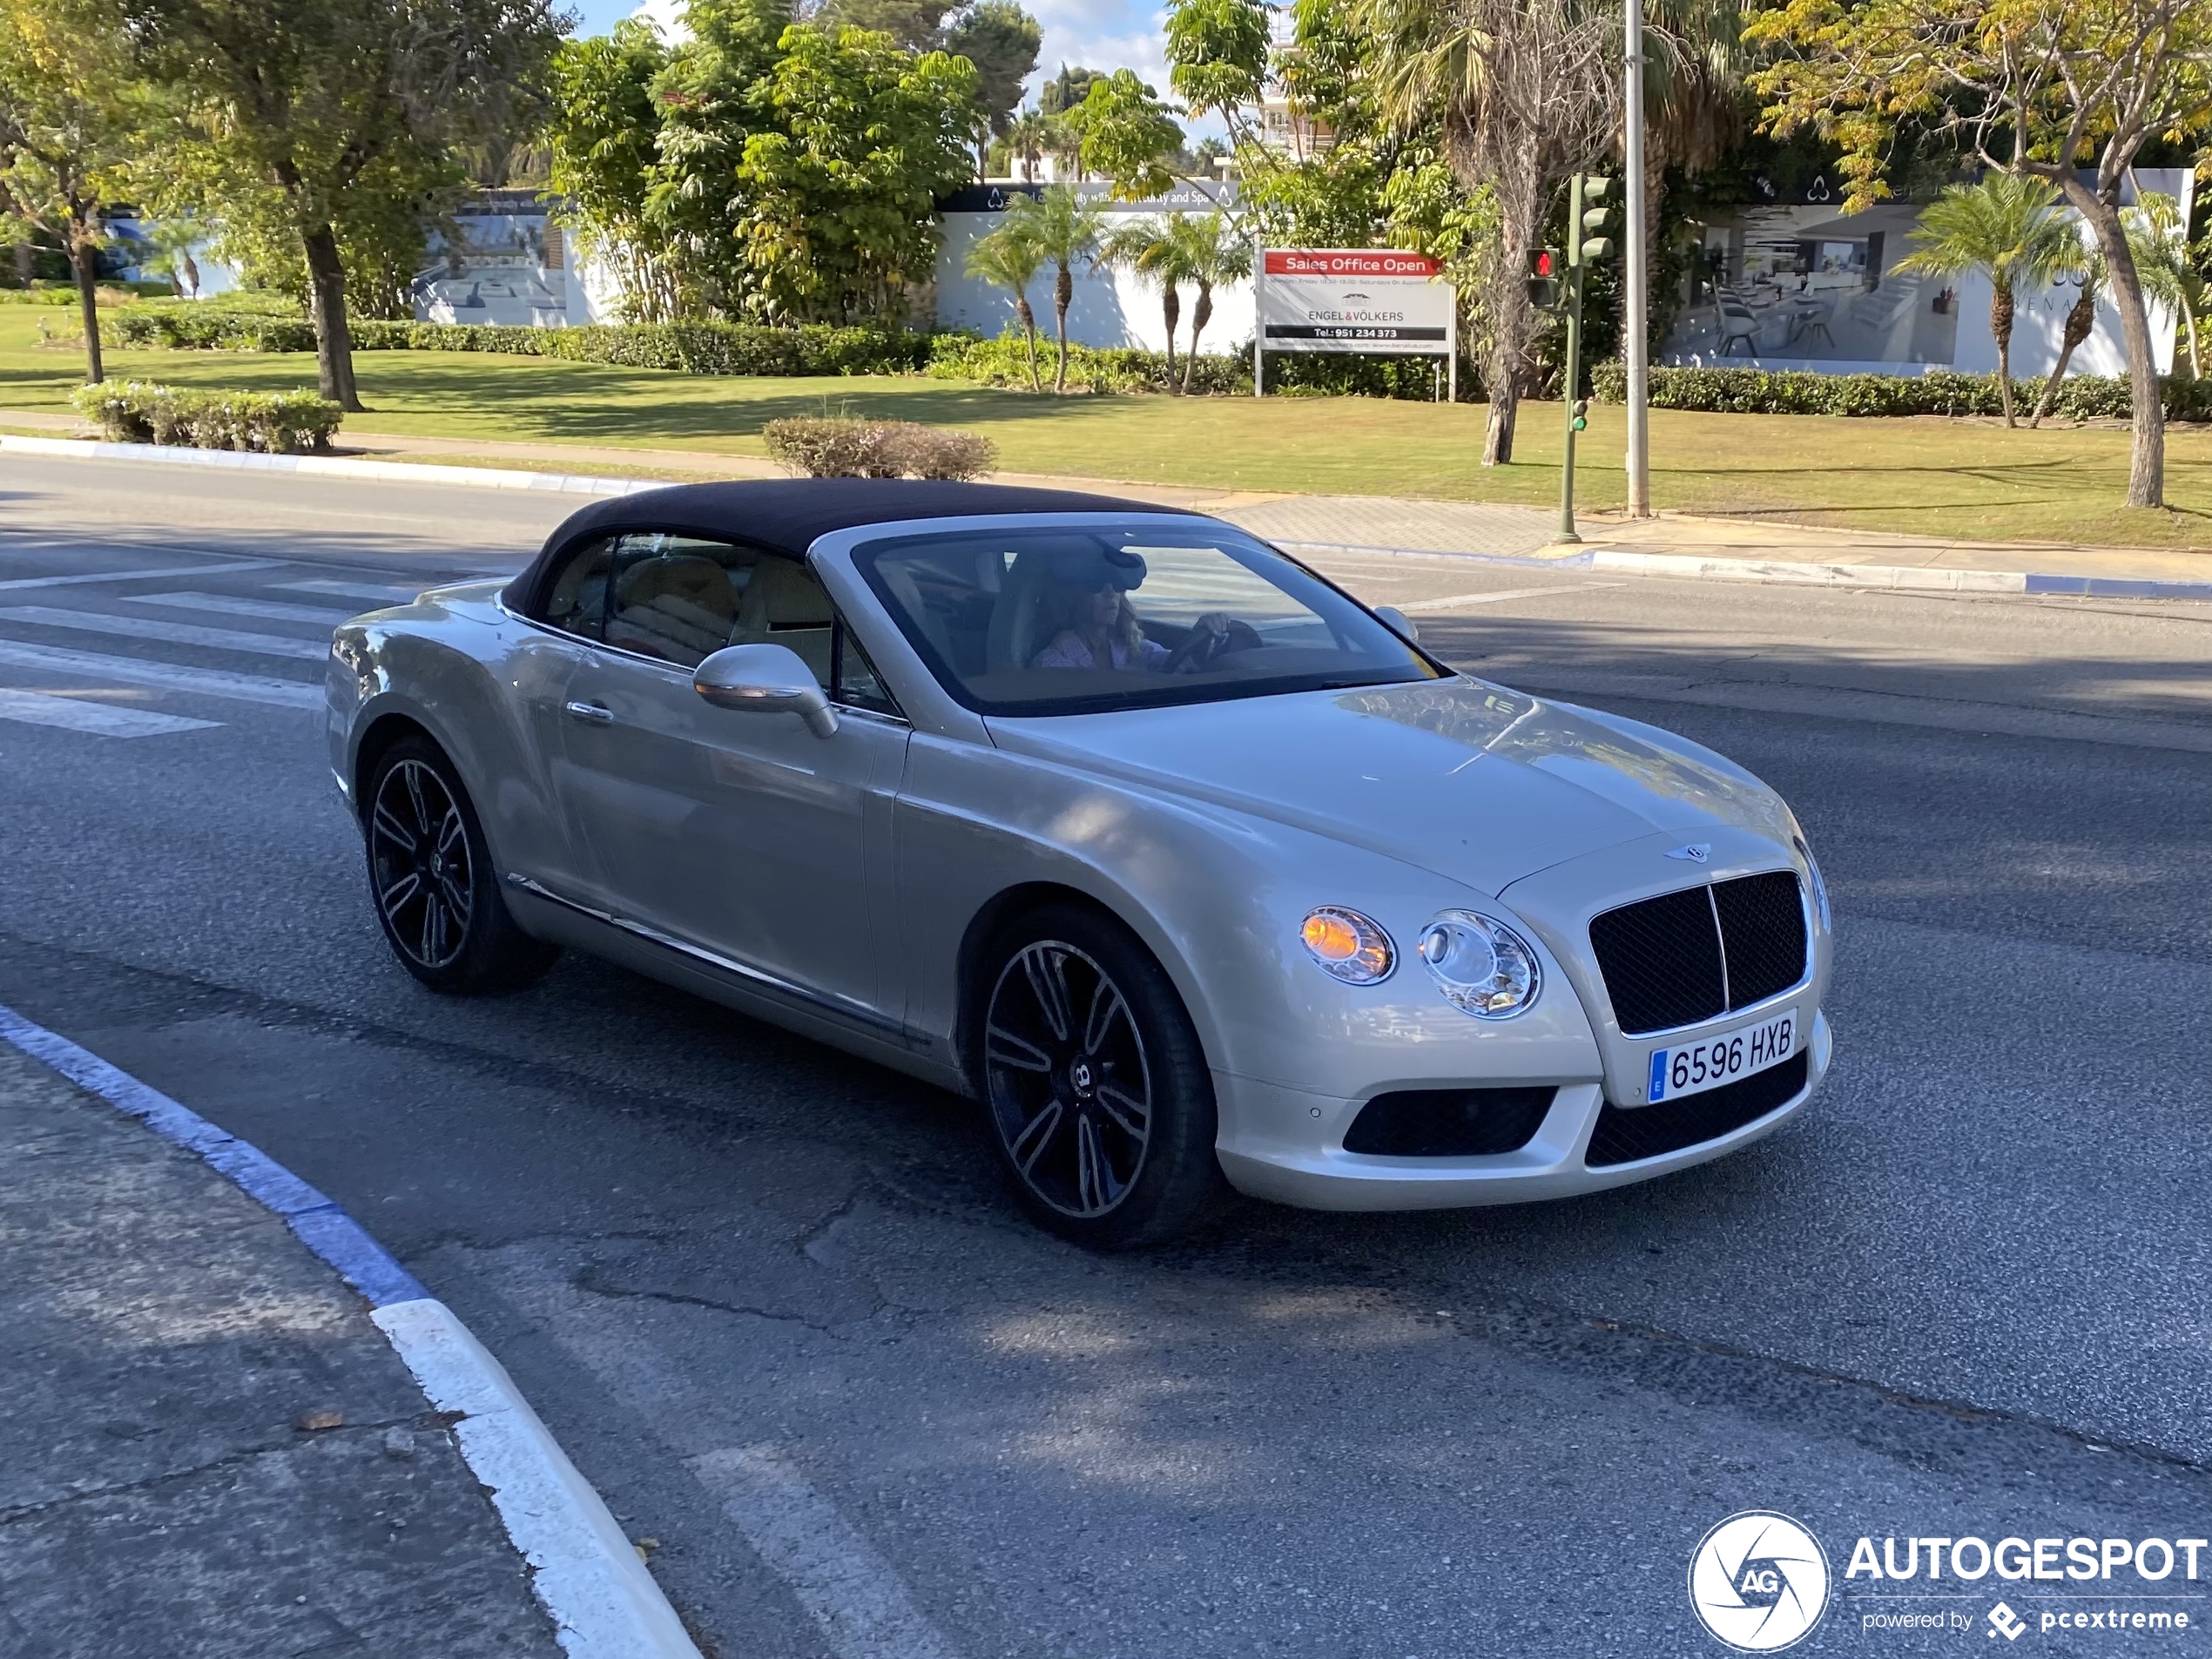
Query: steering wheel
column 1204, row 647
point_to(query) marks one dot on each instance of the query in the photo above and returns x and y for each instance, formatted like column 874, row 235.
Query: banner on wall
column 1375, row 301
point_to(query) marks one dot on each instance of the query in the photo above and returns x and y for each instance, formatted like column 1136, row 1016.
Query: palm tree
column 2085, row 265
column 2168, row 265
column 1157, row 251
column 1008, row 259
column 2006, row 228
column 1218, row 254
column 1030, row 139
column 1063, row 228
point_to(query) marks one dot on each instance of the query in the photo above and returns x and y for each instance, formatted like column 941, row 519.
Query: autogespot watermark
column 1760, row 1582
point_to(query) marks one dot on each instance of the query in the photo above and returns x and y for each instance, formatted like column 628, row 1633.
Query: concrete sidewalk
column 209, row 1450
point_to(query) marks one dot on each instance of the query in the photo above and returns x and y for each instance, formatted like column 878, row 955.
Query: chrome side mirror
column 770, row 680
column 1400, row 624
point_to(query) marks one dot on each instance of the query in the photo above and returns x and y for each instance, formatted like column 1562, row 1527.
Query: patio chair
column 1737, row 323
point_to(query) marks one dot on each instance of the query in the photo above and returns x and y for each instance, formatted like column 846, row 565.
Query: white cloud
column 1108, row 35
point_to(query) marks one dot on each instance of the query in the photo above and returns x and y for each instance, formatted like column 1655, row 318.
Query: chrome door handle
column 595, row 713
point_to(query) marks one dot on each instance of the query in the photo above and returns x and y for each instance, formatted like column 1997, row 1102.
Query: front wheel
column 431, row 878
column 1100, row 1103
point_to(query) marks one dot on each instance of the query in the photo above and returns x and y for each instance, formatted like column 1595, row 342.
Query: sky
column 1097, row 34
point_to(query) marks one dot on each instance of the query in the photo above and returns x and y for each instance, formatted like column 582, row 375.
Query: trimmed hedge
column 687, row 347
column 272, row 423
column 843, row 447
column 1758, row 391
column 1004, row 361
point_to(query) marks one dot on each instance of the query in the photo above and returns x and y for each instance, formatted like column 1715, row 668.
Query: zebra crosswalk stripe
column 173, row 633
column 96, row 668
column 104, row 719
column 275, row 610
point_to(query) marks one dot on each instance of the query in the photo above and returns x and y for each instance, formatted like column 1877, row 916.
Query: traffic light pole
column 1570, row 395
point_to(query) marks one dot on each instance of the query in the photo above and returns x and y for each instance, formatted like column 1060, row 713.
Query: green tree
column 2025, row 86
column 1003, row 41
column 1007, row 259
column 2169, row 266
column 1064, row 229
column 1125, row 135
column 2006, row 228
column 603, row 125
column 841, row 190
column 338, row 112
column 73, row 120
column 1030, row 137
column 1219, row 255
column 1159, row 252
column 1067, row 89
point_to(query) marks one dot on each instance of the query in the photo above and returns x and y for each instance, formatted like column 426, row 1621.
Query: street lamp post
column 1634, row 327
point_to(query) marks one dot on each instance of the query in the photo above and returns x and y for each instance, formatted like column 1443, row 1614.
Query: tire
column 432, row 881
column 1097, row 1092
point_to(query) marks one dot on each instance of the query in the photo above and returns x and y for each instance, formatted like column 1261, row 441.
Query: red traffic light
column 1542, row 263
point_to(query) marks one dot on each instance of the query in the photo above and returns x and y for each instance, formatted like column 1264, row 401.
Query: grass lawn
column 1931, row 477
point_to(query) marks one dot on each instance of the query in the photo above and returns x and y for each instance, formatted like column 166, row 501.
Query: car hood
column 1470, row 780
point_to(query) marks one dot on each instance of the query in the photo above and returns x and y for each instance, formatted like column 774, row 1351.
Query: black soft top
column 789, row 515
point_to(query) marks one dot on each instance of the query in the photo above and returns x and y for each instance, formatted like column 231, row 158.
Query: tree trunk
column 1201, row 314
column 2196, row 363
column 1170, row 314
column 2146, row 449
column 1063, row 295
column 334, row 341
column 2080, row 319
column 1520, row 219
column 2000, row 324
column 1028, row 320
column 24, row 267
column 84, row 261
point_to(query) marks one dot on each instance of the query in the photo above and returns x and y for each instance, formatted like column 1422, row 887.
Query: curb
column 566, row 483
column 583, row 1570
column 1903, row 577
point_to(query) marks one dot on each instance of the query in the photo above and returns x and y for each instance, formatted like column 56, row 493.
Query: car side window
column 854, row 681
column 578, row 602
column 677, row 597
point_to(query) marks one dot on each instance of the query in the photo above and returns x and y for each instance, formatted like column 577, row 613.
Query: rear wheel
column 431, row 878
column 1100, row 1103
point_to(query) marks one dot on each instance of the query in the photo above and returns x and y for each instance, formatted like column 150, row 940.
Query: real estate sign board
column 1355, row 300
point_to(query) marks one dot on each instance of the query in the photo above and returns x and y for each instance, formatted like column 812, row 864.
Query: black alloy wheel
column 1099, row 1101
column 430, row 874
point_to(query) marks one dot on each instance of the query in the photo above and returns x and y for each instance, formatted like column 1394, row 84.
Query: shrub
column 272, row 423
column 841, row 446
column 1758, row 391
column 687, row 347
column 1004, row 361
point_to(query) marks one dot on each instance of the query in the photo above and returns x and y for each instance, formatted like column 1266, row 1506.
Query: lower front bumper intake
column 1285, row 1145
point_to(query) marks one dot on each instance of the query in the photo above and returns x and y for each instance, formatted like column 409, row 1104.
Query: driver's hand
column 1215, row 622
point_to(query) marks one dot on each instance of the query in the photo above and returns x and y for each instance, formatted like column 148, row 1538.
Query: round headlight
column 1352, row 947
column 1482, row 967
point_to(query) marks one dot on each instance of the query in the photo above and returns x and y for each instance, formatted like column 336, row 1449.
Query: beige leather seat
column 784, row 605
column 680, row 609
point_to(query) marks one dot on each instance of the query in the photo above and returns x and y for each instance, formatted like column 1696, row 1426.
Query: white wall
column 1112, row 307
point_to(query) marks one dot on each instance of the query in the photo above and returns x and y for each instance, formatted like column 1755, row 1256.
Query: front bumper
column 1287, row 1145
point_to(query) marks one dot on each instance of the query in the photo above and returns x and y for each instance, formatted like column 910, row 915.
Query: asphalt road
column 777, row 1308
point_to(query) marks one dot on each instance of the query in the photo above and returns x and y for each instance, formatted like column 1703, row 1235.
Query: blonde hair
column 1063, row 608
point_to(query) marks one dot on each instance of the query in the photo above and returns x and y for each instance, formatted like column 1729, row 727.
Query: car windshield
column 1082, row 620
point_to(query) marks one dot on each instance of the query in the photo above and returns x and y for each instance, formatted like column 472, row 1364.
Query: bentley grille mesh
column 1692, row 955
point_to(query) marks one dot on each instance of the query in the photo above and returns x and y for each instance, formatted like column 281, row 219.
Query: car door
column 737, row 833
column 536, row 835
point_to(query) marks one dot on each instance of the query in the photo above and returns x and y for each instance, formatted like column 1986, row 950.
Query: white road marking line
column 382, row 593
column 274, row 610
column 1499, row 596
column 51, row 708
column 140, row 576
column 172, row 633
column 138, row 671
column 854, row 1596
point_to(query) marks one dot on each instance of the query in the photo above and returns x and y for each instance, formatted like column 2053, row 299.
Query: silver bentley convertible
column 1181, row 861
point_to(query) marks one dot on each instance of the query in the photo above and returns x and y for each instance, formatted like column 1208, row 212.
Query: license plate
column 1696, row 1067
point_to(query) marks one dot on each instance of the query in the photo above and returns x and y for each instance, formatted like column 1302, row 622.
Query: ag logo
column 1759, row 1582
